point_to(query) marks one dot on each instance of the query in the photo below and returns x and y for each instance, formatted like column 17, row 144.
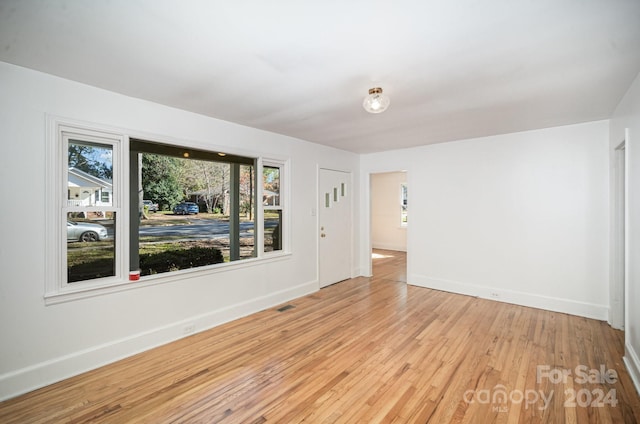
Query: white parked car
column 151, row 207
column 85, row 231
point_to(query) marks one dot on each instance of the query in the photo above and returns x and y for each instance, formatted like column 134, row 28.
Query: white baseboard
column 632, row 362
column 387, row 246
column 42, row 374
column 355, row 272
column 567, row 306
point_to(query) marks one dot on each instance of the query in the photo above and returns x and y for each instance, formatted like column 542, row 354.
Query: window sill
column 77, row 293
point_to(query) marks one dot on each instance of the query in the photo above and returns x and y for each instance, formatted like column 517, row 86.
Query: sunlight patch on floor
column 380, row 256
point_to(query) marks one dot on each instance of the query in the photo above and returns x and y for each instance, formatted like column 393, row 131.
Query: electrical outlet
column 494, row 295
column 189, row 328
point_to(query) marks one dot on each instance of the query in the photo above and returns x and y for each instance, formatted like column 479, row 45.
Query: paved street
column 200, row 229
column 197, row 229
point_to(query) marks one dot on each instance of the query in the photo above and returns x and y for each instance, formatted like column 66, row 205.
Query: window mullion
column 135, row 184
column 234, row 212
column 259, row 222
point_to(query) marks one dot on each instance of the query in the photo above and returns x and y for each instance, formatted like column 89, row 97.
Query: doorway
column 335, row 226
column 389, row 216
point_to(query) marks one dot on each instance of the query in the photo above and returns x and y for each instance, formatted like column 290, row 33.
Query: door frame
column 618, row 308
column 367, row 245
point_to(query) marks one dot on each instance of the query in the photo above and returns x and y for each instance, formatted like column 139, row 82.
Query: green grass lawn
column 96, row 259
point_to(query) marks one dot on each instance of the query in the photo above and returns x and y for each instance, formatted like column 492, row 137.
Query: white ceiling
column 453, row 69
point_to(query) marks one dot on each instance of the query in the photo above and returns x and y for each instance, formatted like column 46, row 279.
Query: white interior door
column 334, row 215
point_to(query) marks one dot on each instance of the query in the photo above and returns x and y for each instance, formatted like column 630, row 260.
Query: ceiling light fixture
column 376, row 102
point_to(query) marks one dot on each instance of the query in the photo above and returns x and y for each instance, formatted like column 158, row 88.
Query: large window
column 206, row 207
column 124, row 206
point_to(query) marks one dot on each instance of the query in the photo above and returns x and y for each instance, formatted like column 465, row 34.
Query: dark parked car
column 151, row 207
column 186, row 208
column 85, row 231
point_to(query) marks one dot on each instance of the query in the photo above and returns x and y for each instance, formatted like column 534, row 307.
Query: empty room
column 320, row 212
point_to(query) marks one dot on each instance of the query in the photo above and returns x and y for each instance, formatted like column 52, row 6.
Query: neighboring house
column 270, row 198
column 86, row 190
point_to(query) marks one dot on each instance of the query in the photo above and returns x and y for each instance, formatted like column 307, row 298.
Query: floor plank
column 364, row 350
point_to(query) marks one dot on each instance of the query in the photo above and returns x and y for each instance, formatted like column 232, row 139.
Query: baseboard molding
column 632, row 362
column 386, row 246
column 42, row 374
column 568, row 306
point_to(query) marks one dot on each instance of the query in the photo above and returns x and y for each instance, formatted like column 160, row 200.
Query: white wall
column 386, row 231
column 521, row 217
column 41, row 344
column 626, row 120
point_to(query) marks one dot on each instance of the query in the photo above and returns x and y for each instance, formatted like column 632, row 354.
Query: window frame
column 139, row 146
column 115, row 142
column 404, row 196
column 60, row 132
column 283, row 197
column 56, row 289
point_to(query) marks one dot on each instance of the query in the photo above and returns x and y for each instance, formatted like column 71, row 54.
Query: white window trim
column 57, row 291
column 116, row 141
column 59, row 132
column 403, row 224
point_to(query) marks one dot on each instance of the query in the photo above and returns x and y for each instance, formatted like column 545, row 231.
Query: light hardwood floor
column 366, row 350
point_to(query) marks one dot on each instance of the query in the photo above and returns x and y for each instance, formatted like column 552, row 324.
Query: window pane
column 272, row 230
column 192, row 227
column 272, row 208
column 271, row 188
column 90, row 174
column 247, row 191
column 90, row 245
column 403, row 203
